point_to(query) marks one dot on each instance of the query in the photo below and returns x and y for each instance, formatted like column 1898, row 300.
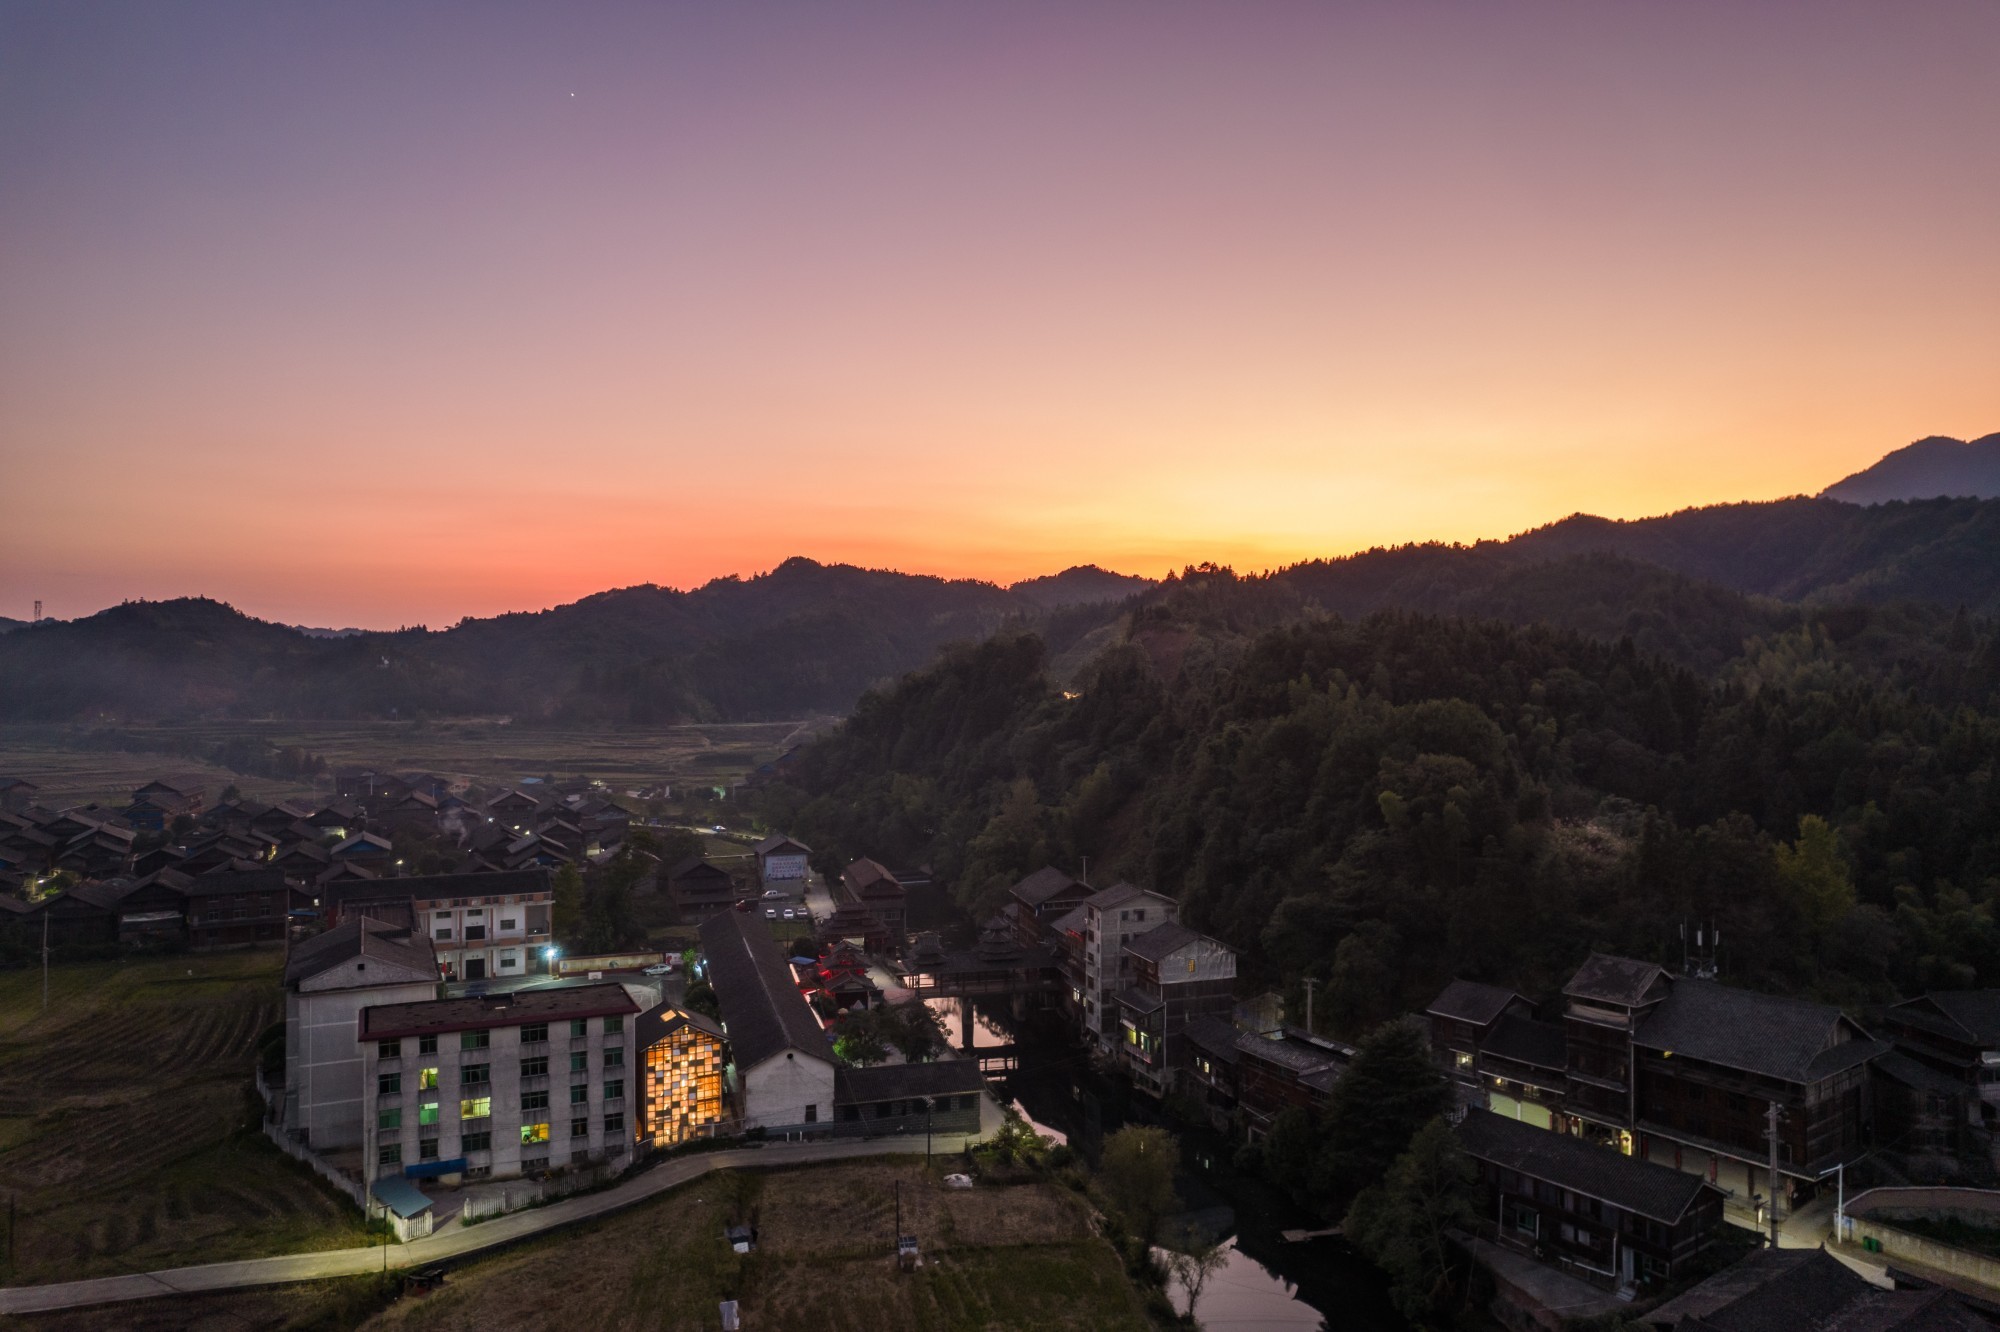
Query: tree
column 1192, row 1260
column 1391, row 1088
column 859, row 1039
column 1814, row 877
column 567, row 911
column 1401, row 1224
column 1136, row 1173
column 912, row 1028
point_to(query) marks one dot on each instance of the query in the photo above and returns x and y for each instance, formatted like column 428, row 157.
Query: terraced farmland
column 128, row 1124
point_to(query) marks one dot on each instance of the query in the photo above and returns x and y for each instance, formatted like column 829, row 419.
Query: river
column 1267, row 1283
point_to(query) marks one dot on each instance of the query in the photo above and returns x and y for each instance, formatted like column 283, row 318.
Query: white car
column 788, row 913
column 660, row 969
column 771, row 913
column 774, row 895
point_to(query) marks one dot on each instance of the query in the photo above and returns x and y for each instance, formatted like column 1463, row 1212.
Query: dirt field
column 126, row 1114
column 1017, row 1257
column 483, row 751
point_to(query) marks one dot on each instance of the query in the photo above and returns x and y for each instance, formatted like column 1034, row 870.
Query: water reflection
column 1246, row 1294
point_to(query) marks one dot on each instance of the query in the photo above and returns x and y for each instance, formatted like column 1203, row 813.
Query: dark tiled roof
column 871, row 878
column 1526, row 1041
column 1299, row 1056
column 510, row 1009
column 1770, row 1290
column 359, row 937
column 1654, row 1191
column 1160, row 941
column 216, row 883
column 1613, row 980
column 1112, row 896
column 1974, row 1012
column 1043, row 884
column 687, row 865
column 1139, row 1001
column 898, row 1082
column 442, row 887
column 1470, row 1001
column 1794, row 1040
column 1895, row 1064
column 777, row 843
column 1213, row 1036
column 762, row 1008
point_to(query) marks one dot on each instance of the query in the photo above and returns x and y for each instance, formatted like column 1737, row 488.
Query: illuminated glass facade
column 683, row 1087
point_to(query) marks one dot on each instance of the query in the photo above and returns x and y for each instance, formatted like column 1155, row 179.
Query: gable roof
column 360, row 938
column 1656, row 1191
column 762, row 1009
column 1117, row 894
column 1975, row 1014
column 443, row 887
column 1472, row 1001
column 1161, row 941
column 1043, row 884
column 1769, row 1290
column 779, row 844
column 1614, row 980
column 1794, row 1040
column 896, row 1082
column 872, row 878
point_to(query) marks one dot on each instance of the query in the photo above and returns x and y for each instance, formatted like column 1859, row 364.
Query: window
column 475, row 1075
column 534, row 1133
column 388, row 1084
column 533, row 1035
column 538, row 1067
column 614, row 1090
column 477, row 1107
column 812, row 1111
column 1522, row 1219
column 427, row 1045
column 616, row 1124
column 579, row 1128
column 427, row 1079
column 534, row 1101
column 474, row 1040
column 473, row 932
column 389, row 1050
column 390, row 1154
column 427, row 1150
column 615, row 1023
column 579, row 1026
column 472, row 912
column 443, row 933
column 389, row 1119
column 442, row 915
column 614, row 1058
column 476, row 1142
column 508, row 961
column 427, row 1115
column 579, row 1061
column 509, row 923
column 579, row 1093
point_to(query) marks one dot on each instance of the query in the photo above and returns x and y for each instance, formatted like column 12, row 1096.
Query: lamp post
column 930, row 1104
column 549, row 956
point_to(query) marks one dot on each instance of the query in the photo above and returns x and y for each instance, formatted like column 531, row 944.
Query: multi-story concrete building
column 501, row 1084
column 1040, row 900
column 329, row 980
column 483, row 925
column 1111, row 919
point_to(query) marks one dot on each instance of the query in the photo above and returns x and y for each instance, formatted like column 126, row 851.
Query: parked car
column 771, row 913
column 660, row 969
column 771, row 894
column 788, row 913
column 745, row 904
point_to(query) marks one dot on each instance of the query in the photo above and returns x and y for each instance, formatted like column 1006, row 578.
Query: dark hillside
column 1926, row 469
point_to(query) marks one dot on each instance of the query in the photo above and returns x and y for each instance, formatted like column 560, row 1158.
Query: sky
column 386, row 314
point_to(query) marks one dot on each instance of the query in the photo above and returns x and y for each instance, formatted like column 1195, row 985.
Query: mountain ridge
column 1932, row 467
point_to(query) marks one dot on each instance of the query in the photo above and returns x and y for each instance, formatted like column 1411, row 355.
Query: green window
column 427, row 1114
column 389, row 1119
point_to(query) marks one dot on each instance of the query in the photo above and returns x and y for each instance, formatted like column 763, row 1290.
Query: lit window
column 478, row 1107
column 427, row 1114
column 534, row 1133
column 427, row 1080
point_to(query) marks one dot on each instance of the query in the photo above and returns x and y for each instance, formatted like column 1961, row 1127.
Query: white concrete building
column 1111, row 919
column 484, row 926
column 781, row 862
column 782, row 1064
column 501, row 1084
column 329, row 979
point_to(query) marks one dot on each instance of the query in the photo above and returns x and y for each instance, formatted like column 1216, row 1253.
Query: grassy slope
column 127, row 1124
column 1019, row 1257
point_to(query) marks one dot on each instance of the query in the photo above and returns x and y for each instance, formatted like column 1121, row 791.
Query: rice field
column 63, row 761
column 128, row 1123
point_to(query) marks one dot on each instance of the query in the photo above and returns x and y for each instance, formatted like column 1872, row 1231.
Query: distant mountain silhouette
column 7, row 625
column 1080, row 585
column 807, row 638
column 1927, row 469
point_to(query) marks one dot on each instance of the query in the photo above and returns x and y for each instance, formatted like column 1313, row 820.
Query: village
column 445, row 1060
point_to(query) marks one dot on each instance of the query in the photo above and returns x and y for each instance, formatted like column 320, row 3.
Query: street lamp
column 930, row 1104
column 549, row 955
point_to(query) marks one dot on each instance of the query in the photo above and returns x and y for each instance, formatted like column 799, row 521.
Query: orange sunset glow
column 370, row 316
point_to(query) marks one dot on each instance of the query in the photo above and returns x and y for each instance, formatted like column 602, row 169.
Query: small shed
column 405, row 1207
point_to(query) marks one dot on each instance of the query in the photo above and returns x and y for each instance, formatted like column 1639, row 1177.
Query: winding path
column 453, row 1242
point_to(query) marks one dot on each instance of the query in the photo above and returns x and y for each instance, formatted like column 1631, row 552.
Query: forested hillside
column 1390, row 801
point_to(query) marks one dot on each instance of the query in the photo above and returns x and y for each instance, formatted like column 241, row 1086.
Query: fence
column 274, row 1129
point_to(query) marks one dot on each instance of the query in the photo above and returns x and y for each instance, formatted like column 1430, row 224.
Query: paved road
column 453, row 1242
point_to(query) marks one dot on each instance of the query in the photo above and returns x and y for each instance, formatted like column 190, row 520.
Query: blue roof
column 432, row 1169
column 400, row 1196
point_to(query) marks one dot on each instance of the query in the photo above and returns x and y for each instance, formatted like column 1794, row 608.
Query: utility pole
column 1771, row 1115
column 1086, row 871
column 1310, row 982
column 45, row 959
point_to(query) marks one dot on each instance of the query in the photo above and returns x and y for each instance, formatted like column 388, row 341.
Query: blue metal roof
column 432, row 1169
column 400, row 1196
